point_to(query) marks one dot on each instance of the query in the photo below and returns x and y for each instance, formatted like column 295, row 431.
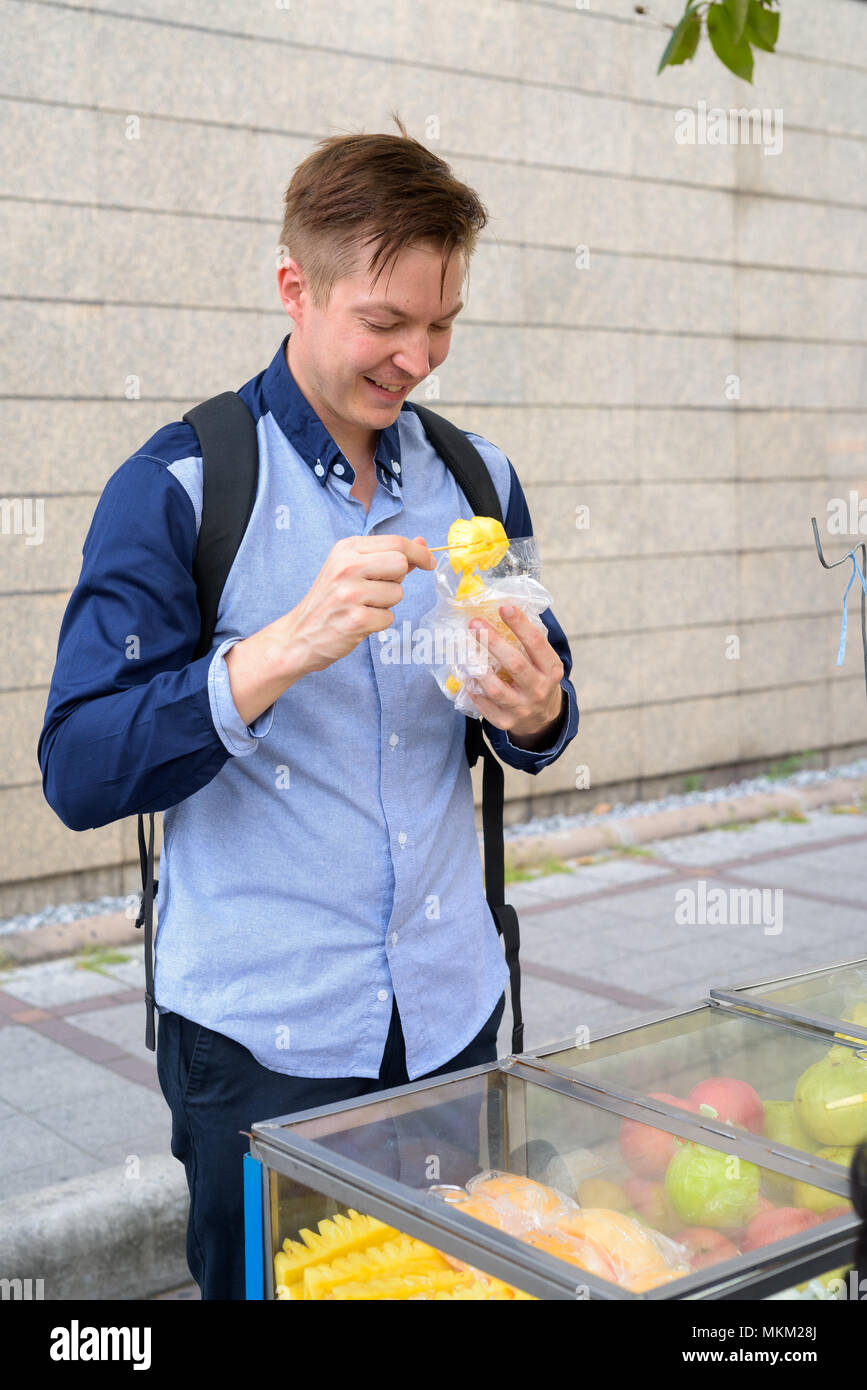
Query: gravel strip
column 675, row 801
column 100, row 907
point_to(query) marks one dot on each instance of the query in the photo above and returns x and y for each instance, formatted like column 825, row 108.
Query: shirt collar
column 309, row 437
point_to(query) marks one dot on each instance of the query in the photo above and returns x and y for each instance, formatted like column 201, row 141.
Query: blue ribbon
column 855, row 570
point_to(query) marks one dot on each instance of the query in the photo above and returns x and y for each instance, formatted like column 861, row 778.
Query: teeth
column 393, row 389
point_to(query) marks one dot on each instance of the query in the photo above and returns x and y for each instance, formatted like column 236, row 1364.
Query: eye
column 388, row 327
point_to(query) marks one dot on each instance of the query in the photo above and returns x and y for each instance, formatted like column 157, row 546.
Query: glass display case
column 832, row 1000
column 789, row 1090
column 521, row 1180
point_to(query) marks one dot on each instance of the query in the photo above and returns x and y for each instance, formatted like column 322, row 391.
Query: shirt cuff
column 534, row 759
column 239, row 738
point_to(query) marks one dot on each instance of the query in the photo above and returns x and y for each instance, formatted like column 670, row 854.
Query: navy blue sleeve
column 517, row 523
column 128, row 726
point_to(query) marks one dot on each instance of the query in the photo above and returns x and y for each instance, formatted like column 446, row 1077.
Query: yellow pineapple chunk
column 401, row 1286
column 405, row 1255
column 338, row 1236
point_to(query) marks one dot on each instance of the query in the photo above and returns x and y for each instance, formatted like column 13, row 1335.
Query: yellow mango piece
column 453, row 685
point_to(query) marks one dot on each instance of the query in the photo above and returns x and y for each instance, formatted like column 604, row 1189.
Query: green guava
column 710, row 1188
column 831, row 1098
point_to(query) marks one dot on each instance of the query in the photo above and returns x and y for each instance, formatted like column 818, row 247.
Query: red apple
column 769, row 1226
column 763, row 1204
column 734, row 1101
column 708, row 1247
column 650, row 1201
column 648, row 1151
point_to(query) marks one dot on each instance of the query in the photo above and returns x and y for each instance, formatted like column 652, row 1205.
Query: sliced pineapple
column 405, row 1255
column 338, row 1236
column 401, row 1286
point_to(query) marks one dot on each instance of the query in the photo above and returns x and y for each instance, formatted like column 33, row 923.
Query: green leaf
column 762, row 27
column 683, row 42
column 737, row 56
column 738, row 10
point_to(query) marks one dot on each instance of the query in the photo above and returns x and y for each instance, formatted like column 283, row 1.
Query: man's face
column 368, row 334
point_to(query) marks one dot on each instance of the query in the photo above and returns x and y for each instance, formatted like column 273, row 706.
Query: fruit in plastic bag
column 459, row 657
column 597, row 1238
column 521, row 1202
column 586, row 1254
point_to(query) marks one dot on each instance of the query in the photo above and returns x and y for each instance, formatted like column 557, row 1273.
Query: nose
column 413, row 356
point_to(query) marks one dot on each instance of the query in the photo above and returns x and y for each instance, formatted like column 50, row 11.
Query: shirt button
column 338, row 468
column 318, row 469
column 401, row 839
column 394, row 938
column 395, row 465
column 382, row 996
column 394, row 740
column 383, row 636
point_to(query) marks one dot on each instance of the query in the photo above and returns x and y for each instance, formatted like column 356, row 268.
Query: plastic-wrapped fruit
column 831, row 1098
column 710, row 1188
column 634, row 1254
column 519, row 1199
column 586, row 1254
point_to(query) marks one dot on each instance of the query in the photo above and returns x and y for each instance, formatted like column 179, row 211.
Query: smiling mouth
column 390, row 388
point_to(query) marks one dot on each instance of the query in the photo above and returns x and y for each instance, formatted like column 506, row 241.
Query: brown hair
column 384, row 190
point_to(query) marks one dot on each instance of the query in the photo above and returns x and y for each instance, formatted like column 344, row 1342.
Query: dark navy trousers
column 215, row 1088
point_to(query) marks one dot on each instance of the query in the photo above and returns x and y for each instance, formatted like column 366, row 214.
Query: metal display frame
column 735, row 998
column 280, row 1149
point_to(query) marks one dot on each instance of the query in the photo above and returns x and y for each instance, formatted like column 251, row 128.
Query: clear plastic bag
column 459, row 657
column 598, row 1240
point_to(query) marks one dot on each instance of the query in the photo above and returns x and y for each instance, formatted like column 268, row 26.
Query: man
column 323, row 929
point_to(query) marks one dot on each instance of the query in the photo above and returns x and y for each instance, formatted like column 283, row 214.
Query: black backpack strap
column 471, row 474
column 230, row 468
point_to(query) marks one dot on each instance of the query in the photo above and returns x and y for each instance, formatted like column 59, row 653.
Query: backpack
column 230, row 466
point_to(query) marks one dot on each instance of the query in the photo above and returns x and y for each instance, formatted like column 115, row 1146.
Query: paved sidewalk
column 80, row 1104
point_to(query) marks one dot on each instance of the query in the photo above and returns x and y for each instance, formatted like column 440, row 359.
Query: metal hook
column 850, row 554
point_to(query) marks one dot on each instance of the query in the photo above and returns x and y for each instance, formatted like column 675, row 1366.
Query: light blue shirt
column 324, row 859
